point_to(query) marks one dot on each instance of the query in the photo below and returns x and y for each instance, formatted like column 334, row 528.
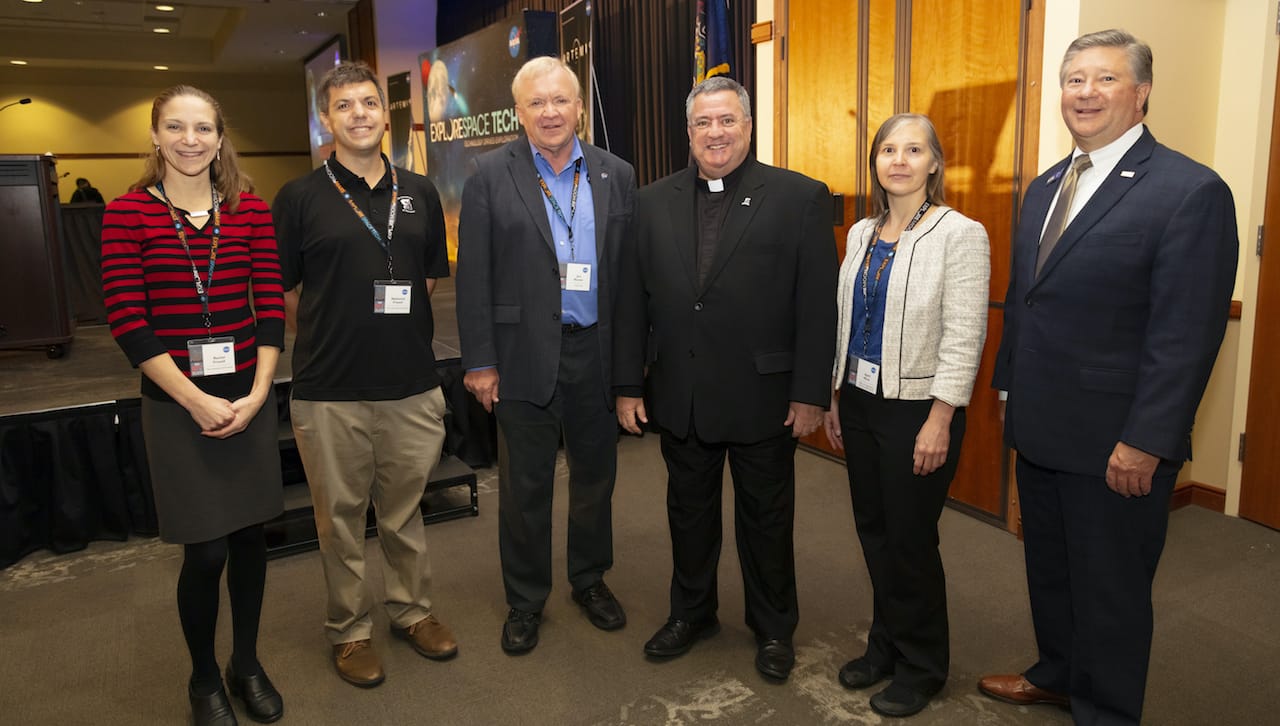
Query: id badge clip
column 392, row 298
column 575, row 276
column 212, row 356
column 864, row 374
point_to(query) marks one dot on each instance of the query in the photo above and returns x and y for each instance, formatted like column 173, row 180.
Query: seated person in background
column 85, row 193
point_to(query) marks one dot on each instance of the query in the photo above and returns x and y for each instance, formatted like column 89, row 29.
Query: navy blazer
column 1115, row 340
column 508, row 277
column 727, row 357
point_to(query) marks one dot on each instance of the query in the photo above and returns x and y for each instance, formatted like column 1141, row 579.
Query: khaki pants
column 355, row 452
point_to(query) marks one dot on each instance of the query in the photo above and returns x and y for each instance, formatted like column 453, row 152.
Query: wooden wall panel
column 964, row 76
column 822, row 91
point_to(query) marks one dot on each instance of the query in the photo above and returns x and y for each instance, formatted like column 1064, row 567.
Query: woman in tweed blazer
column 912, row 307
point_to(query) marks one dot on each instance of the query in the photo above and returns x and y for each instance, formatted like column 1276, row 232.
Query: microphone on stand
column 22, row 101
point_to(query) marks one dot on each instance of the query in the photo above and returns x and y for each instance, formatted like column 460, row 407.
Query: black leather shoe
column 898, row 701
column 775, row 658
column 261, row 699
column 862, row 673
column 603, row 609
column 213, row 709
column 678, row 636
column 520, row 633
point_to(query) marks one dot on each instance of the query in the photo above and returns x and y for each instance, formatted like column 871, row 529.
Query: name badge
column 575, row 276
column 212, row 356
column 392, row 298
column 864, row 374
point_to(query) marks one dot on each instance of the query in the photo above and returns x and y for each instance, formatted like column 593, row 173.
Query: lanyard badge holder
column 574, row 276
column 864, row 374
column 210, row 355
column 390, row 296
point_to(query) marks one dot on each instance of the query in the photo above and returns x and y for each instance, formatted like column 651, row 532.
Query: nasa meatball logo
column 513, row 42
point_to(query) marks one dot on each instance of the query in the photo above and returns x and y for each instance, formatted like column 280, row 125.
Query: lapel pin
column 746, row 201
column 604, row 175
column 1126, row 174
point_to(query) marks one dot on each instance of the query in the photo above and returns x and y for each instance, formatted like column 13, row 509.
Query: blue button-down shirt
column 581, row 307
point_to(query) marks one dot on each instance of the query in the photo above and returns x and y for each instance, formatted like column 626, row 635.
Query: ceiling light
column 18, row 62
column 165, row 8
column 161, row 68
column 32, row 1
column 319, row 14
column 160, row 30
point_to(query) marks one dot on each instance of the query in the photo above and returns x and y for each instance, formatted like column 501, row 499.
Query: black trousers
column 764, row 513
column 896, row 513
column 528, row 438
column 1091, row 558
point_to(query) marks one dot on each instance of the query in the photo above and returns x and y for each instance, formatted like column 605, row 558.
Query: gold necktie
column 1058, row 220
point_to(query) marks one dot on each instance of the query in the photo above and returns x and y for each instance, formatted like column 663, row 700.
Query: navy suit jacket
column 508, row 277
column 1115, row 340
column 726, row 358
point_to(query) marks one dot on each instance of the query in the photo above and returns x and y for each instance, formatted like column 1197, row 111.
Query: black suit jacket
column 508, row 278
column 729, row 357
column 1116, row 338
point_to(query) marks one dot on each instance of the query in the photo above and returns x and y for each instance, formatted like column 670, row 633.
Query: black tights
column 244, row 552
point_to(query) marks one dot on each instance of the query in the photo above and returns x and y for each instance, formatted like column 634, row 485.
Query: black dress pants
column 1091, row 559
column 896, row 513
column 764, row 514
column 528, row 439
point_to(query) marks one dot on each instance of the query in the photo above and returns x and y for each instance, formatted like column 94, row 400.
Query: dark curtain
column 71, row 476
column 644, row 65
column 82, row 238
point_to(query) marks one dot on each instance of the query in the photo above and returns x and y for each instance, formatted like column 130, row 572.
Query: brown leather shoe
column 431, row 638
column 358, row 663
column 1017, row 690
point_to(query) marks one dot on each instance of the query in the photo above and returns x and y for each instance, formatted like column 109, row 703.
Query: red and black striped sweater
column 151, row 300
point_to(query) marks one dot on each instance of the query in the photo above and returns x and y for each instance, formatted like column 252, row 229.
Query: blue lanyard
column 869, row 295
column 202, row 289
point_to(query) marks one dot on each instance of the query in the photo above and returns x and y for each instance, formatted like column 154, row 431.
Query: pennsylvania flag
column 712, row 53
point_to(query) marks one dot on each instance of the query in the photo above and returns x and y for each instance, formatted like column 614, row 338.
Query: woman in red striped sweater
column 192, row 284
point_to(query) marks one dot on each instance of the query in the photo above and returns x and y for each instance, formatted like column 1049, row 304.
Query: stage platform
column 72, row 462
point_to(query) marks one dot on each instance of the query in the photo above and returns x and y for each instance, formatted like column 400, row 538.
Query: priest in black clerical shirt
column 725, row 313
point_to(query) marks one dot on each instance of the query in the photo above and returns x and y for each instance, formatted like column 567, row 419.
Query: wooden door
column 848, row 67
column 964, row 76
column 1259, row 486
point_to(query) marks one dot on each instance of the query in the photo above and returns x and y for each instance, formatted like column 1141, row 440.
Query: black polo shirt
column 344, row 351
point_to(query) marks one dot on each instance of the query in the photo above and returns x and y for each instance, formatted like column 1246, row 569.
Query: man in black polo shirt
column 361, row 244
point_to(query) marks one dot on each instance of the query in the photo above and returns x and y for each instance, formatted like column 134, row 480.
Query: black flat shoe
column 602, row 608
column 213, row 709
column 520, row 632
column 862, row 673
column 898, row 701
column 261, row 699
column 775, row 658
column 678, row 636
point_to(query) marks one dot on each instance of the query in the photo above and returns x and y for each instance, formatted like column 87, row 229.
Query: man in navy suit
column 1123, row 268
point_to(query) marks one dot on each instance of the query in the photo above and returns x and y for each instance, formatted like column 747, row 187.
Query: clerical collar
column 727, row 183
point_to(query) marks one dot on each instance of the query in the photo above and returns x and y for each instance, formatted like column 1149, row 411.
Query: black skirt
column 207, row 488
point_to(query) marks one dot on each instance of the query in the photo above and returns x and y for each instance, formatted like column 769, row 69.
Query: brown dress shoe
column 1017, row 690
column 358, row 664
column 431, row 638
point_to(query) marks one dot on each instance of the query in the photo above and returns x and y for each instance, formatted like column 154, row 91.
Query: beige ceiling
column 219, row 36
